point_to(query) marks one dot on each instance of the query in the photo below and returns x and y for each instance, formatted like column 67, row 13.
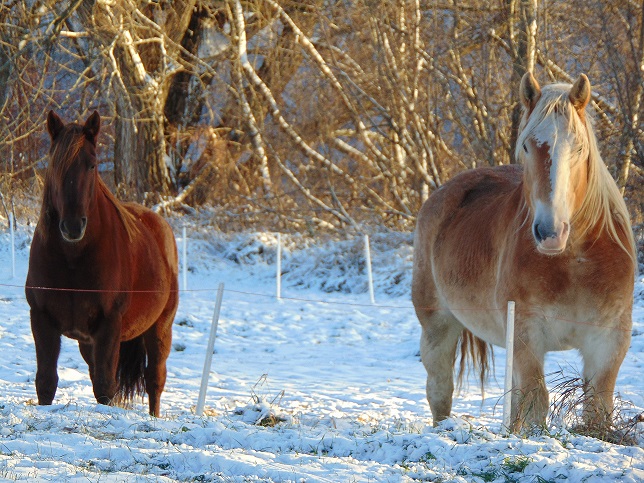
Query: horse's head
column 554, row 146
column 71, row 177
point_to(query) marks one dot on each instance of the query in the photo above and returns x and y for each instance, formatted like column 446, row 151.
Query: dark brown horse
column 113, row 270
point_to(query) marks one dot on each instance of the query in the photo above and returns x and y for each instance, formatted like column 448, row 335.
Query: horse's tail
column 130, row 371
column 475, row 354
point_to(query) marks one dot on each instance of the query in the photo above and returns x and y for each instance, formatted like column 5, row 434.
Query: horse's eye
column 92, row 166
column 525, row 148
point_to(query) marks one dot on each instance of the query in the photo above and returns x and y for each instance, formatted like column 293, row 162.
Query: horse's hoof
column 104, row 400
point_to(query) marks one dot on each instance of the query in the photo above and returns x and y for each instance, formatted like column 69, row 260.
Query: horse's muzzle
column 73, row 229
column 551, row 240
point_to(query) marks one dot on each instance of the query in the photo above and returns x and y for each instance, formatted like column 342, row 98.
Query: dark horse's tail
column 130, row 371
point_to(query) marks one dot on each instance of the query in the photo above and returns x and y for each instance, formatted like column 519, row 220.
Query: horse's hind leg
column 47, row 341
column 158, row 343
column 438, row 342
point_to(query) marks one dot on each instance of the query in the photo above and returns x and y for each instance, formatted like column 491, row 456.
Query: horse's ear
column 92, row 126
column 580, row 93
column 530, row 92
column 54, row 125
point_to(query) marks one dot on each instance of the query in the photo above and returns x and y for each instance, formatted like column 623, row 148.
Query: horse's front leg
column 530, row 395
column 87, row 351
column 106, row 341
column 47, row 341
column 603, row 355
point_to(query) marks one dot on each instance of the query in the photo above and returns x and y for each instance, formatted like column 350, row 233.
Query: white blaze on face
column 555, row 134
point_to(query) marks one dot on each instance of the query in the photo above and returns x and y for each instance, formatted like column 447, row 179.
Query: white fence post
column 367, row 254
column 279, row 266
column 13, row 247
column 185, row 259
column 509, row 347
column 211, row 347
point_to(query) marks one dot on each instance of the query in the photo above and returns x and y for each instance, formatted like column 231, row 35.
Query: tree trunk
column 125, row 179
column 523, row 13
column 5, row 73
column 6, row 63
column 140, row 146
column 140, row 42
column 186, row 98
column 632, row 115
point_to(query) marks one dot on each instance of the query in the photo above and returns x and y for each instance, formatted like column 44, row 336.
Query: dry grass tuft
column 566, row 408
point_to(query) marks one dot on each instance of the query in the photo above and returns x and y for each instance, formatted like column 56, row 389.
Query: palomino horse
column 554, row 236
column 101, row 272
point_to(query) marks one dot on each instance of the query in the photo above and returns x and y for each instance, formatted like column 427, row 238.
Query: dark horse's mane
column 61, row 158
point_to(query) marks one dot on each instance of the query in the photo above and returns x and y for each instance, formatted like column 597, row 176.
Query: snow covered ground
column 321, row 386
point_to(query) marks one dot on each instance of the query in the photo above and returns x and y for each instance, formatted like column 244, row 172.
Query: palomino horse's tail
column 475, row 354
column 130, row 371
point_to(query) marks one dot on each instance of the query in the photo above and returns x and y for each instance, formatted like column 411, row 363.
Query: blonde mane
column 603, row 207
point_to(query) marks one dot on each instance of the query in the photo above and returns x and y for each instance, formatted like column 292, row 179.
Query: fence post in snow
column 13, row 247
column 367, row 254
column 507, row 388
column 184, row 258
column 279, row 266
column 209, row 350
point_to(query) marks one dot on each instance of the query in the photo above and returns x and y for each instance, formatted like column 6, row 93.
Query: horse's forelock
column 554, row 100
column 67, row 147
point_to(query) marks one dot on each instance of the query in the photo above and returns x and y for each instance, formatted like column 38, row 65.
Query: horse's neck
column 99, row 211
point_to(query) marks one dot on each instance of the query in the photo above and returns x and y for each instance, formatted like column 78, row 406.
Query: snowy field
column 321, row 386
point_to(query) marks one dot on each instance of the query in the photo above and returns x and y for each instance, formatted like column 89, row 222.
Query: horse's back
column 472, row 191
column 461, row 216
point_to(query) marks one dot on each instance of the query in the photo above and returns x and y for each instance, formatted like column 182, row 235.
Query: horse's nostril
column 540, row 232
column 543, row 231
column 84, row 221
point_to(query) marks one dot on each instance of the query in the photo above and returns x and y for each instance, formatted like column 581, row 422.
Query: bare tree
column 623, row 31
column 523, row 47
column 310, row 114
column 141, row 41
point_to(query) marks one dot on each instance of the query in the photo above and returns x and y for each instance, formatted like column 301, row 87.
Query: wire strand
column 317, row 301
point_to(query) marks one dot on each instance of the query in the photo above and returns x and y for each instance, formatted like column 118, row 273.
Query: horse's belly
column 143, row 313
column 466, row 289
column 484, row 323
column 81, row 336
column 75, row 315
